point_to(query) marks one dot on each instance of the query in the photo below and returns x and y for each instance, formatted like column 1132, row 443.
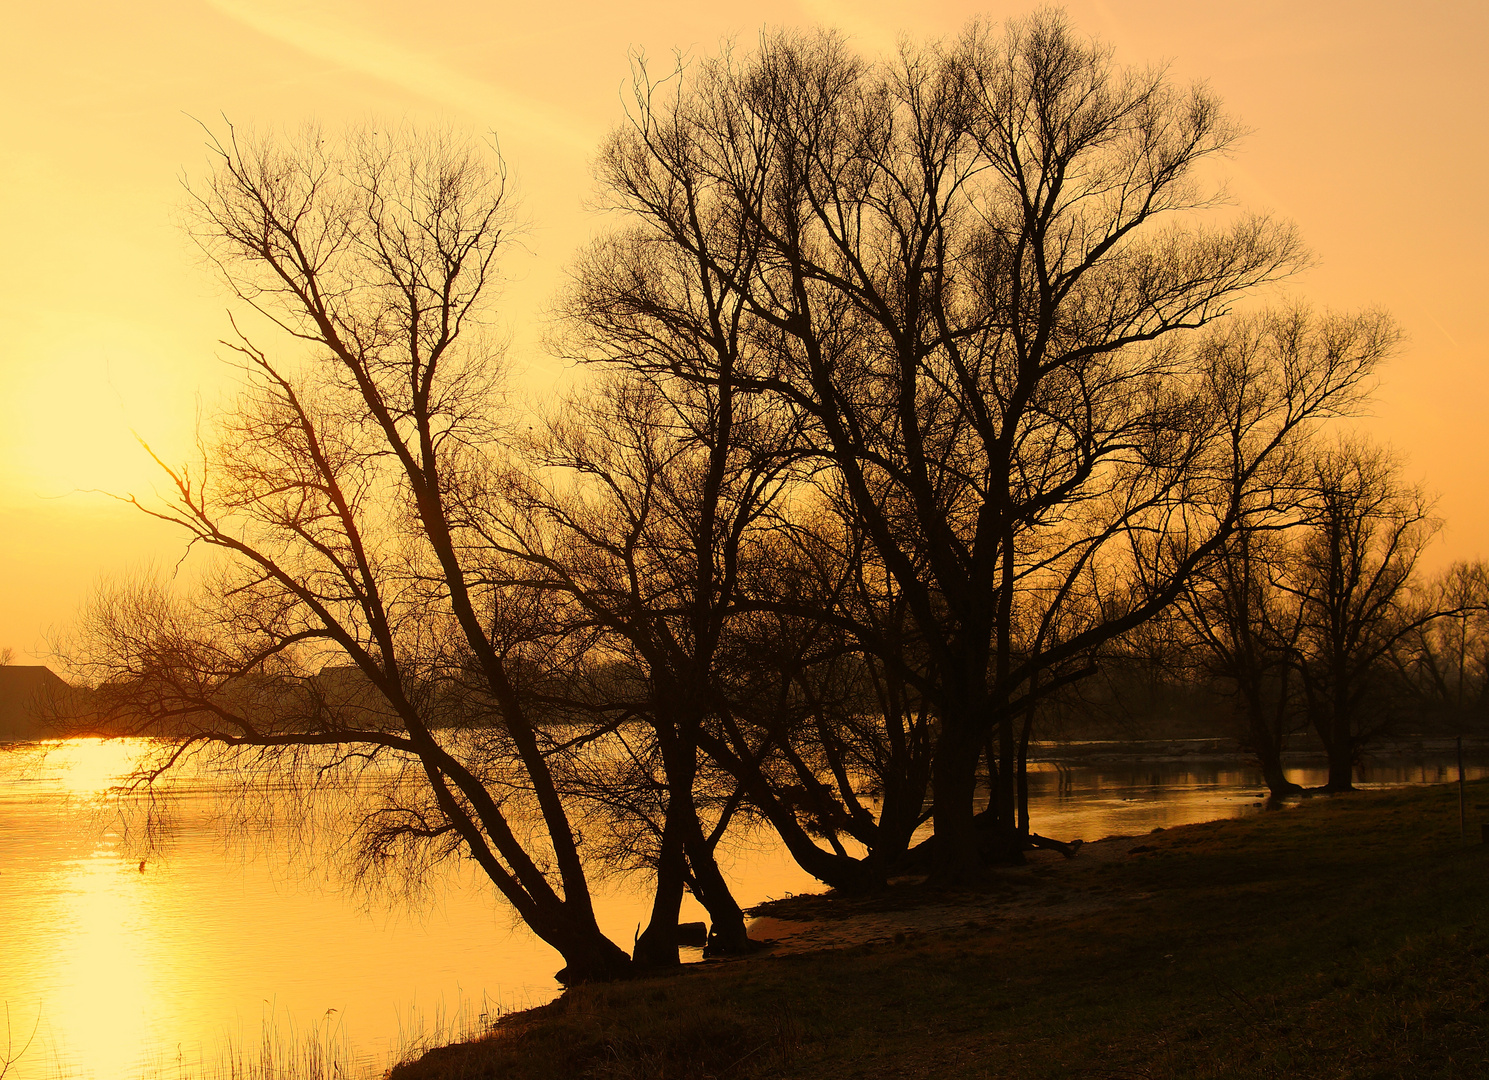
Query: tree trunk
column 1000, row 840
column 589, row 956
column 1341, row 747
column 1023, row 775
column 657, row 945
column 727, row 935
column 1278, row 785
column 955, row 855
column 1008, row 844
column 1341, row 767
column 899, row 816
column 1267, row 747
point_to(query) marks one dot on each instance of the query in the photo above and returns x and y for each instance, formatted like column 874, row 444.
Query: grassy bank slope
column 1348, row 937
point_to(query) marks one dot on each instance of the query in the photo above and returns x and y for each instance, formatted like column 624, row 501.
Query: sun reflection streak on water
column 91, row 768
column 104, row 993
column 67, row 883
column 212, row 952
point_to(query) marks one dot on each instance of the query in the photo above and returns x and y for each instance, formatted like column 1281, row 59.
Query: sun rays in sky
column 330, row 33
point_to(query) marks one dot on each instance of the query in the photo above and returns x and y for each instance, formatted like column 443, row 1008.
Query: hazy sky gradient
column 1368, row 131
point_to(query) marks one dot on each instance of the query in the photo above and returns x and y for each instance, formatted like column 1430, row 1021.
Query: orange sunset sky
column 1367, row 123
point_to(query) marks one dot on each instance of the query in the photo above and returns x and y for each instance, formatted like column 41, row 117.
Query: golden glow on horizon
column 1367, row 131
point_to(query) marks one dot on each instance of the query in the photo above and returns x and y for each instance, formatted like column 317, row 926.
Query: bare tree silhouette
column 975, row 272
column 1356, row 583
column 339, row 493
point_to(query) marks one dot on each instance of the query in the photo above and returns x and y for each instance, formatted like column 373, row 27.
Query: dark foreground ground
column 1346, row 937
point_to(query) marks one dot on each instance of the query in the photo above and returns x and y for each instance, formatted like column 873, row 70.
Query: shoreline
column 1078, row 966
column 1230, row 751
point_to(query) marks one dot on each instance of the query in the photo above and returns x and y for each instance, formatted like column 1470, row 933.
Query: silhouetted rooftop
column 26, row 692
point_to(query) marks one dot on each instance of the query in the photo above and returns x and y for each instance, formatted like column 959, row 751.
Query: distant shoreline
column 1229, row 750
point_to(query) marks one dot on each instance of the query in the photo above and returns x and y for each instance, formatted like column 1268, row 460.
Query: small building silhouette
column 29, row 695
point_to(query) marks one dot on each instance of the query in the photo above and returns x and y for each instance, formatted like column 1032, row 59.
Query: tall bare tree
column 339, row 493
column 1356, row 583
column 974, row 272
column 830, row 740
column 642, row 503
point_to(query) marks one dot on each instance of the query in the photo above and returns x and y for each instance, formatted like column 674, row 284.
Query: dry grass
column 1346, row 938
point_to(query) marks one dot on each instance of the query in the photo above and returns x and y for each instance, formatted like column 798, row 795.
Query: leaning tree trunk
column 727, row 935
column 841, row 872
column 1266, row 744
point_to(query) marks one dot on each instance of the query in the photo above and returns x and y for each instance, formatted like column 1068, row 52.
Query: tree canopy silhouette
column 978, row 273
column 913, row 384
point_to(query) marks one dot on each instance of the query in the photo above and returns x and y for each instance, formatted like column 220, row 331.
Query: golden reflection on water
column 77, row 966
column 105, row 997
column 90, row 767
column 183, row 968
column 149, row 974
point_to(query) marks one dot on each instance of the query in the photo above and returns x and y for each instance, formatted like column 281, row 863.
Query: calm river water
column 117, row 971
